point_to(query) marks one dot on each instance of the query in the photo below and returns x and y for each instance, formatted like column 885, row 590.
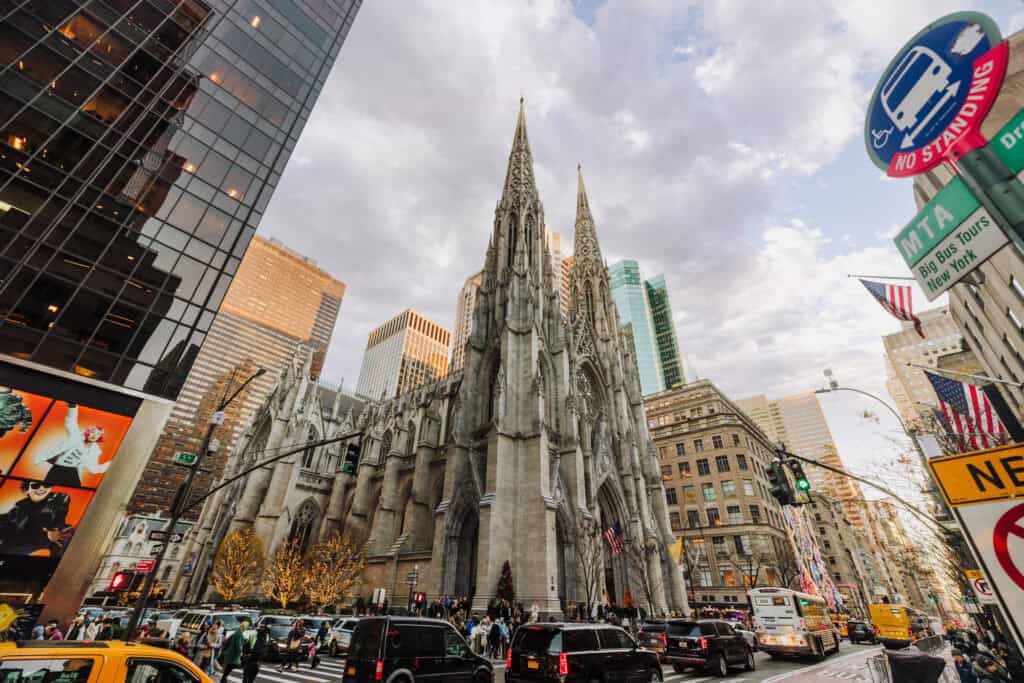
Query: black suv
column 861, row 632
column 578, row 652
column 709, row 644
column 410, row 650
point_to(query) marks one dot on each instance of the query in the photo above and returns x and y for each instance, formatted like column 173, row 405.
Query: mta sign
column 935, row 93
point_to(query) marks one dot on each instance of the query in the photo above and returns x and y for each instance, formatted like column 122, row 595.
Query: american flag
column 896, row 300
column 968, row 413
column 613, row 535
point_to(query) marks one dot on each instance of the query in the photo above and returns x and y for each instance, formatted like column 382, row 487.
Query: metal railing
column 879, row 670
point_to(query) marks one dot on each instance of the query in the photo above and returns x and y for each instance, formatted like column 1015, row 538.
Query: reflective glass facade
column 664, row 332
column 628, row 294
column 140, row 142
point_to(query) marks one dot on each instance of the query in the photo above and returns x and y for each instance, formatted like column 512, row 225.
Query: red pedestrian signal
column 120, row 581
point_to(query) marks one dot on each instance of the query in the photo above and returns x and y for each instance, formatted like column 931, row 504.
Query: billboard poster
column 56, row 443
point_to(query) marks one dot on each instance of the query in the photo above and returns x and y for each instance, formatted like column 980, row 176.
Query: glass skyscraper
column 664, row 332
column 645, row 306
column 140, row 144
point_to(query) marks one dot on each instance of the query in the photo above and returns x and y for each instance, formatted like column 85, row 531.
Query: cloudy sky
column 721, row 144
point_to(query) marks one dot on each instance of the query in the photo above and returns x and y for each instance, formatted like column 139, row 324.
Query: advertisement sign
column 55, row 448
column 934, row 94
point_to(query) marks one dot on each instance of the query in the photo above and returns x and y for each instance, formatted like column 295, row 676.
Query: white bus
column 790, row 623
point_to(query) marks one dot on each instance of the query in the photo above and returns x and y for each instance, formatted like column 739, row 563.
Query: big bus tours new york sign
column 931, row 100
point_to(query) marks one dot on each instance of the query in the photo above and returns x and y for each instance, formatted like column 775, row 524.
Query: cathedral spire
column 585, row 244
column 519, row 183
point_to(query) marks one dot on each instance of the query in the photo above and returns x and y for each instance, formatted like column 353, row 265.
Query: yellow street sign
column 980, row 476
column 973, row 574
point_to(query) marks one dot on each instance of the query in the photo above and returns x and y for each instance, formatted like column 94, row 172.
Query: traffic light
column 802, row 482
column 348, row 466
column 120, row 581
column 779, row 483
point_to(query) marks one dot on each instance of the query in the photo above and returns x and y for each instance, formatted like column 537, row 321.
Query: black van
column 578, row 652
column 411, row 650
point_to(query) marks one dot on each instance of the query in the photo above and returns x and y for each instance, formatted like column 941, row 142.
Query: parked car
column 578, row 652
column 862, row 632
column 653, row 636
column 341, row 635
column 74, row 661
column 412, row 649
column 711, row 645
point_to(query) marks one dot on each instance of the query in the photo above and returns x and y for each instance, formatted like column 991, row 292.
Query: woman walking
column 291, row 661
column 254, row 649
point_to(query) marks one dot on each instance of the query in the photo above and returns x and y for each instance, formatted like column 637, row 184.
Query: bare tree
column 788, row 569
column 590, row 559
column 637, row 556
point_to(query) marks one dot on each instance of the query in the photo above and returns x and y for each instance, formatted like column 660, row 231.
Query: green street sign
column 1008, row 143
column 935, row 221
column 185, row 459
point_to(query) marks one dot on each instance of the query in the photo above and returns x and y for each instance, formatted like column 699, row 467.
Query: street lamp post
column 833, row 385
column 178, row 505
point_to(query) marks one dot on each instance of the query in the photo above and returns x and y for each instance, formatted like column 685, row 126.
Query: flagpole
column 883, row 277
column 986, row 378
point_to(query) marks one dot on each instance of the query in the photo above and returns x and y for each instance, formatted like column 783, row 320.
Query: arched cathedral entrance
column 461, row 553
column 616, row 566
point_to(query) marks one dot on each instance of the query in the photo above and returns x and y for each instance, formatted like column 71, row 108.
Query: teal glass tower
column 645, row 307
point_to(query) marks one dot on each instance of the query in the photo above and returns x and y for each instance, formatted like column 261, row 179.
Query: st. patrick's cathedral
column 541, row 434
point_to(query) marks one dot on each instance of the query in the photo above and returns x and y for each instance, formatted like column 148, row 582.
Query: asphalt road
column 848, row 665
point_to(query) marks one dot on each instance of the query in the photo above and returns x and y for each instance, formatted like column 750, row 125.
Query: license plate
column 533, row 665
column 351, row 671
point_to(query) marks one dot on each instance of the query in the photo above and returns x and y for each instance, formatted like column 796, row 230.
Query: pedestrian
column 494, row 640
column 210, row 647
column 77, row 630
column 320, row 641
column 52, row 631
column 963, row 667
column 183, row 645
column 231, row 652
column 39, row 632
column 253, row 651
column 987, row 670
column 291, row 657
column 92, row 630
column 106, row 631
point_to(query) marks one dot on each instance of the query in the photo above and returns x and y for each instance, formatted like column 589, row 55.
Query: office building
column 464, row 319
column 798, row 423
column 910, row 390
column 670, row 360
column 988, row 305
column 563, row 291
column 403, row 353
column 141, row 145
column 714, row 462
column 645, row 307
column 278, row 299
column 135, row 542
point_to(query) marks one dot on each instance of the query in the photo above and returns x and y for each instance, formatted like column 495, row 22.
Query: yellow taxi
column 842, row 622
column 112, row 661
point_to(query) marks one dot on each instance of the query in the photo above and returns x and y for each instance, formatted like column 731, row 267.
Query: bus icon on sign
column 916, row 91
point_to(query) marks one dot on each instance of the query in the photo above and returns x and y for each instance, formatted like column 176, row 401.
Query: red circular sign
column 1007, row 525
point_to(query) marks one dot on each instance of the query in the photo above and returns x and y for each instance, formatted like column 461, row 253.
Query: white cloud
column 691, row 164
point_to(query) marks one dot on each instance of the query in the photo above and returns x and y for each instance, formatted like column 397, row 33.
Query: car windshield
column 653, row 628
column 230, row 621
column 313, row 623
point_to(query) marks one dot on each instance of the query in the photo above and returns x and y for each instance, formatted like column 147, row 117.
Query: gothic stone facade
column 542, row 429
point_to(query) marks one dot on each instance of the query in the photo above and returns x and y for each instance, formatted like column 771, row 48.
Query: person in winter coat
column 291, row 662
column 320, row 641
column 211, row 646
column 254, row 649
column 963, row 667
column 494, row 640
column 987, row 670
column 231, row 652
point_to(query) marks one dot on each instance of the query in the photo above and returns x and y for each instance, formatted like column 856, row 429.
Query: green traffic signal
column 803, row 484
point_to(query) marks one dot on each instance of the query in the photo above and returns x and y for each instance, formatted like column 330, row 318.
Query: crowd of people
column 984, row 659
